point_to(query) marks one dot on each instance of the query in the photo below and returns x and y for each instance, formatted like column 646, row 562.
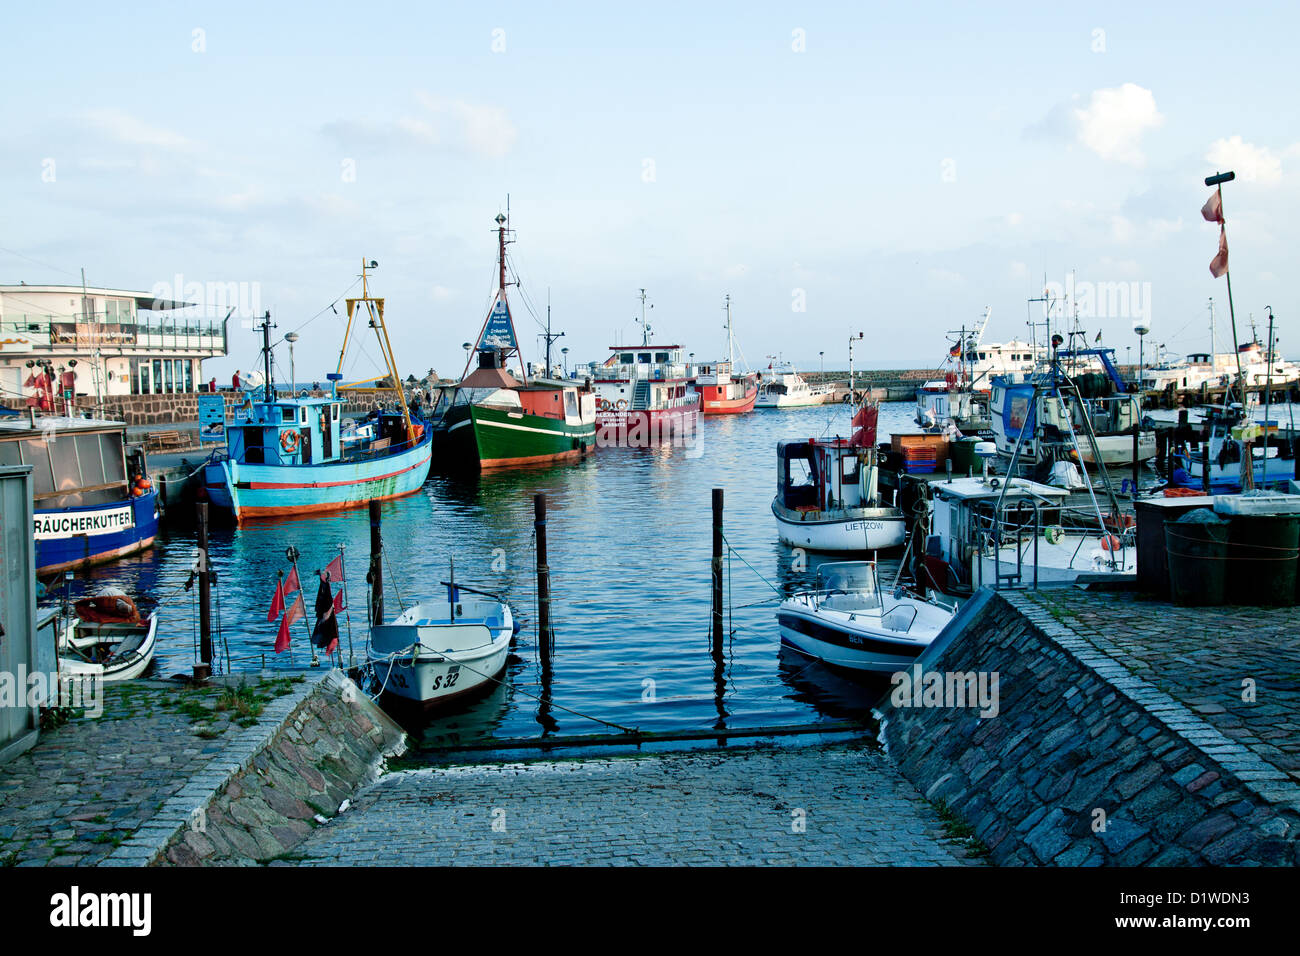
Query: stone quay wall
column 1085, row 764
column 289, row 773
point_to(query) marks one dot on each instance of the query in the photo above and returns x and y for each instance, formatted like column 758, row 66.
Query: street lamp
column 1141, row 327
column 822, row 358
column 565, row 352
column 292, row 337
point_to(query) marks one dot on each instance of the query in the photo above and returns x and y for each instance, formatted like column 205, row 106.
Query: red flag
column 865, row 422
column 1213, row 208
column 1219, row 264
column 282, row 639
column 298, row 610
column 277, row 603
column 334, row 570
column 291, row 582
column 338, row 602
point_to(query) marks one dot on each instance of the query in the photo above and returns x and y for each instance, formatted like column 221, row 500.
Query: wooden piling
column 1205, row 467
column 1137, row 464
column 717, row 569
column 544, row 635
column 376, row 573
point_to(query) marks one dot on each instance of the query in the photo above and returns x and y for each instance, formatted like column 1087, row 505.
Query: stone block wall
column 1075, row 737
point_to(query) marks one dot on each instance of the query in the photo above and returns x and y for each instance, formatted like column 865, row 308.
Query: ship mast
column 375, row 309
column 645, row 329
column 731, row 338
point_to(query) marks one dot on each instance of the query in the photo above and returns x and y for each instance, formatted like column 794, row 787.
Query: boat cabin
column 821, row 475
column 965, row 515
column 76, row 462
column 662, row 363
column 309, row 431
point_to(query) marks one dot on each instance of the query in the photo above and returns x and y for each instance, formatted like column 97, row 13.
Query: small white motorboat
column 436, row 652
column 847, row 622
column 107, row 638
column 828, row 498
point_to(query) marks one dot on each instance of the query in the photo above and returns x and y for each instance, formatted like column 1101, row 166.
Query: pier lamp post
column 292, row 337
column 821, row 357
column 1141, row 327
column 565, row 352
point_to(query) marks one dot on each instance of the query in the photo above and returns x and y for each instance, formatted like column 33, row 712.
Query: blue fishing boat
column 94, row 501
column 299, row 454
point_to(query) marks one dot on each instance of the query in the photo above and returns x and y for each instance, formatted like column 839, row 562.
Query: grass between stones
column 957, row 829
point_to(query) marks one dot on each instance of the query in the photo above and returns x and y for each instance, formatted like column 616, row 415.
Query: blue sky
column 909, row 166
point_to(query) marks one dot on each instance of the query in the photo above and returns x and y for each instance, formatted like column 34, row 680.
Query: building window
column 157, row 376
column 189, row 376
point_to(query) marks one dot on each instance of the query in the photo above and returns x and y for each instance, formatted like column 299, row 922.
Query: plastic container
column 1257, row 503
column 1197, row 544
column 962, row 454
column 1263, row 551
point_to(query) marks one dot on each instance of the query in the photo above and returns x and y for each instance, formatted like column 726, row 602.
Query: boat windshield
column 858, row 577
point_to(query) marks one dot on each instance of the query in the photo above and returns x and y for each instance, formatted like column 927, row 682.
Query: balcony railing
column 95, row 331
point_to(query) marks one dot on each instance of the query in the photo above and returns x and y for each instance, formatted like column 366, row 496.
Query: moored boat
column 848, row 622
column 437, row 652
column 494, row 420
column 299, row 455
column 93, row 499
column 721, row 392
column 786, row 388
column 107, row 639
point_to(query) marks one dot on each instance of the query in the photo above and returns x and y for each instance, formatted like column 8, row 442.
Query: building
column 98, row 344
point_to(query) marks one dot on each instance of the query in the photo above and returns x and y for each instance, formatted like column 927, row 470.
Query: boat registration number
column 453, row 675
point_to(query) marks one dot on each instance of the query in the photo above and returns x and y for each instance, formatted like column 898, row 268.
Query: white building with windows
column 99, row 343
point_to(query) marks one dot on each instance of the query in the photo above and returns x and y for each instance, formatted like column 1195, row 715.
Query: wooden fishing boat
column 107, row 639
column 721, row 392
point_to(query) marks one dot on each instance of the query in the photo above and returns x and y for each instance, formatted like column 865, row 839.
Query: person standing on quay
column 234, row 380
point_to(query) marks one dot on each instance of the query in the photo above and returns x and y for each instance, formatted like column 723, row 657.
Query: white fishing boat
column 828, row 498
column 848, row 622
column 437, row 652
column 783, row 387
column 107, row 639
column 1232, row 434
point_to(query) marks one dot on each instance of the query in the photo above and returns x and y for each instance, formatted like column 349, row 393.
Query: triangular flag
column 1219, row 264
column 296, row 611
column 326, row 632
column 291, row 582
column 334, row 570
column 277, row 603
column 282, row 638
column 1213, row 208
column 338, row 602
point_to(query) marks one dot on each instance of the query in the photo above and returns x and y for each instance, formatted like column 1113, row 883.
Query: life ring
column 1110, row 543
column 1053, row 534
column 289, row 442
column 606, row 405
column 621, row 404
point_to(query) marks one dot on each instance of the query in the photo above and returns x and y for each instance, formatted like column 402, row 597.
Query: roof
column 968, row 488
column 143, row 300
column 60, row 423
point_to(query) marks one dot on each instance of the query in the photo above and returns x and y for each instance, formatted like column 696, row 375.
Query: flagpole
column 347, row 614
column 1217, row 180
column 292, row 554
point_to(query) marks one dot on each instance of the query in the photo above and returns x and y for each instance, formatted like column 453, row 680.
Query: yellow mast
column 375, row 306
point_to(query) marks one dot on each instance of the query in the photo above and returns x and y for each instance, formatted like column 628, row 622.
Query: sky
column 834, row 168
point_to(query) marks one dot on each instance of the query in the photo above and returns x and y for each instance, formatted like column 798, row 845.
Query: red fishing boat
column 721, row 392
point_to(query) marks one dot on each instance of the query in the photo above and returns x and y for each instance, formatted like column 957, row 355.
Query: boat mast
column 731, row 339
column 375, row 308
column 267, row 387
column 645, row 329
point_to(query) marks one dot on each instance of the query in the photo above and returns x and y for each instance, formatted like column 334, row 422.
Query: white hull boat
column 848, row 623
column 436, row 652
column 107, row 639
column 786, row 388
column 841, row 529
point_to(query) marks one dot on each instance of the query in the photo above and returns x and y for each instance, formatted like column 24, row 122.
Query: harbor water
column 629, row 536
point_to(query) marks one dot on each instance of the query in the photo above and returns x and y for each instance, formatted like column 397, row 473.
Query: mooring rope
column 731, row 547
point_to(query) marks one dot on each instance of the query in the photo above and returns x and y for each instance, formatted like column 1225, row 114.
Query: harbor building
column 87, row 346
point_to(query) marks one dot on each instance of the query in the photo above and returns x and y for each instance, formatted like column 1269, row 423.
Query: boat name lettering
column 71, row 524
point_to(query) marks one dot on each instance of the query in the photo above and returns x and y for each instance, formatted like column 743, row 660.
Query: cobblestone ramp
column 824, row 805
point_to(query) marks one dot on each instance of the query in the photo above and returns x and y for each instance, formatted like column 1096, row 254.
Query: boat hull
column 69, row 538
column 791, row 401
column 478, row 436
column 851, row 649
column 121, row 665
column 714, row 400
column 640, row 428
column 251, row 491
column 849, row 529
column 433, row 681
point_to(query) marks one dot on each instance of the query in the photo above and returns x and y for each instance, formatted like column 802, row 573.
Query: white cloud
column 486, row 130
column 1019, row 270
column 1113, row 122
column 126, row 128
column 1251, row 163
column 1014, row 219
column 440, row 293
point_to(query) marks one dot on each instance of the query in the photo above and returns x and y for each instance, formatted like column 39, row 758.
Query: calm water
column 629, row 536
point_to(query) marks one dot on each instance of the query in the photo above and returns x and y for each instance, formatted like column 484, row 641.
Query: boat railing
column 898, row 609
column 993, row 529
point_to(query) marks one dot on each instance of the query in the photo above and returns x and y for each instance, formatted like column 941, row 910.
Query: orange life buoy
column 1110, row 543
column 289, row 442
column 621, row 404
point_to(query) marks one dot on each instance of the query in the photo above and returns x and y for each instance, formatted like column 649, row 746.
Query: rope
column 730, row 547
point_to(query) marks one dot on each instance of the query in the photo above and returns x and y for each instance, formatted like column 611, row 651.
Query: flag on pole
column 291, row 582
column 1213, row 208
column 1219, row 264
column 326, row 632
column 334, row 569
column 277, row 602
column 282, row 638
column 338, row 602
column 296, row 611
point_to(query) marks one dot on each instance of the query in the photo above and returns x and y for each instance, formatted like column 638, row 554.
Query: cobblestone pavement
column 835, row 804
column 1202, row 657
column 88, row 785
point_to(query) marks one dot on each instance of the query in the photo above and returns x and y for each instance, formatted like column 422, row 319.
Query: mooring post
column 1137, row 465
column 203, row 669
column 1205, row 467
column 717, row 569
column 543, row 581
column 376, row 573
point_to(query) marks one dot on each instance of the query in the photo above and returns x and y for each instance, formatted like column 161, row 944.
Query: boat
column 1229, row 432
column 93, row 499
column 493, row 420
column 786, row 388
column 301, row 455
column 1015, row 533
column 438, row 652
column 107, row 639
column 828, row 494
column 1040, row 417
column 721, row 392
column 644, row 395
column 848, row 622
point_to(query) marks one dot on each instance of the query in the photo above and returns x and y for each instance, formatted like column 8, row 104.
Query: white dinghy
column 107, row 638
column 847, row 622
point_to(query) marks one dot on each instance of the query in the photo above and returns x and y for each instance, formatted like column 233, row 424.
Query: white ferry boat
column 786, row 388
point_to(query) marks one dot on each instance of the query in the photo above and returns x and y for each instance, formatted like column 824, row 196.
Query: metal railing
column 98, row 330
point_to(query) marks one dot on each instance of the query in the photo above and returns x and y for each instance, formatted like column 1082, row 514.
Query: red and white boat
column 721, row 392
column 644, row 395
